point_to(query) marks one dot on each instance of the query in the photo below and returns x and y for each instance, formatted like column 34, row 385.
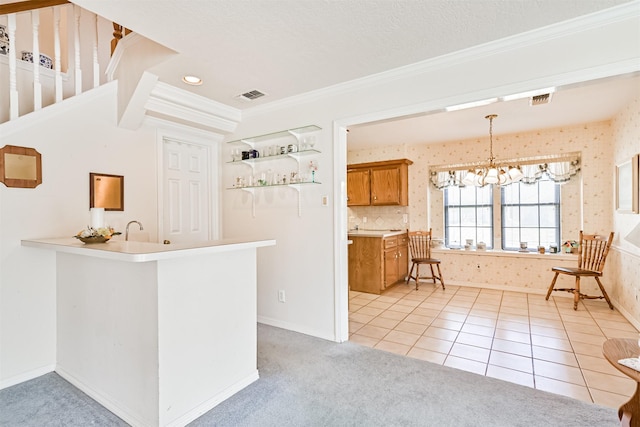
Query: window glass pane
column 467, row 209
column 484, row 195
column 511, row 238
column 547, row 192
column 548, row 216
column 529, row 216
column 510, row 194
column 534, row 217
column 453, row 216
column 548, row 237
column 511, row 216
column 529, row 235
column 452, row 195
column 467, row 196
column 484, row 217
column 454, row 237
column 484, row 235
column 467, row 233
column 468, row 216
column 528, row 193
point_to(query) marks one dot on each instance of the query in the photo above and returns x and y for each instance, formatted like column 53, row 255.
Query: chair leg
column 433, row 275
column 553, row 283
column 604, row 293
column 576, row 293
column 417, row 275
column 440, row 276
column 413, row 264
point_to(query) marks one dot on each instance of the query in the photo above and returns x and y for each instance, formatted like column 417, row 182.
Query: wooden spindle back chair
column 420, row 252
column 592, row 254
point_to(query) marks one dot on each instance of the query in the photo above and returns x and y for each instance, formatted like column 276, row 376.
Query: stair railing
column 76, row 33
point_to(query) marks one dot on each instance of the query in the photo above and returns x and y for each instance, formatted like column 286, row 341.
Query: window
column 468, row 214
column 530, row 213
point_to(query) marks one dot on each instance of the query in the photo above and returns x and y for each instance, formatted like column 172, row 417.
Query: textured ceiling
column 290, row 47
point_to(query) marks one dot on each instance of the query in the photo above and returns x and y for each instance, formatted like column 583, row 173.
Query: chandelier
column 492, row 172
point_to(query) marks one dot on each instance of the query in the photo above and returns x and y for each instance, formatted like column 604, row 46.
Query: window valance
column 559, row 168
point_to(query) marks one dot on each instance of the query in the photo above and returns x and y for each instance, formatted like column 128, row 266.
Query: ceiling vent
column 540, row 99
column 251, row 95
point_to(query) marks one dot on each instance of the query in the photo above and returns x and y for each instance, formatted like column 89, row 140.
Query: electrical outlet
column 405, row 218
column 364, row 219
column 281, row 296
column 325, row 200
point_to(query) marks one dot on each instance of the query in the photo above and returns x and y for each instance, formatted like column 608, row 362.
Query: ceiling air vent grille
column 251, row 95
column 540, row 99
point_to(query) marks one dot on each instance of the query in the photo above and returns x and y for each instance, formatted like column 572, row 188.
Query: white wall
column 308, row 250
column 76, row 137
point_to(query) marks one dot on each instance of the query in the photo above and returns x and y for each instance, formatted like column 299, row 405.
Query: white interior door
column 186, row 192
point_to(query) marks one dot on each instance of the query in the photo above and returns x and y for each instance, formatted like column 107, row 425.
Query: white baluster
column 96, row 66
column 56, row 50
column 78, row 71
column 13, row 82
column 37, row 86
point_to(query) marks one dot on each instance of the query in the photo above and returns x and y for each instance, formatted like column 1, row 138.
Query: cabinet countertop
column 143, row 251
column 375, row 233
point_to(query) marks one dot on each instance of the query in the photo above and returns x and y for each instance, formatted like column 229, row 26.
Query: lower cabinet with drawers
column 377, row 262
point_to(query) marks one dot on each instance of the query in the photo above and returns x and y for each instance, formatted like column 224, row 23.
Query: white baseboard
column 130, row 417
column 214, row 401
column 26, row 376
column 296, row 328
column 117, row 408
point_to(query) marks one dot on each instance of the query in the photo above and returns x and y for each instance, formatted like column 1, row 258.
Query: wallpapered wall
column 624, row 260
column 592, row 212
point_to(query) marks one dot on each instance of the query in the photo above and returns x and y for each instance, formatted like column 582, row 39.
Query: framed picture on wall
column 627, row 185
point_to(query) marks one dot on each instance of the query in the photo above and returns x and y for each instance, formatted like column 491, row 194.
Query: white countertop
column 143, row 251
column 374, row 233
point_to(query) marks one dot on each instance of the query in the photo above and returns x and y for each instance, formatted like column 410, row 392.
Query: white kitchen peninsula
column 158, row 334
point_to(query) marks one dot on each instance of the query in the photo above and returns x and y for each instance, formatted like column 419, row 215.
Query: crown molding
column 184, row 106
column 624, row 12
column 173, row 130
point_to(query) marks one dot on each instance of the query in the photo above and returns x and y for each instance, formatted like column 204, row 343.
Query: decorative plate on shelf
column 45, row 61
column 4, row 40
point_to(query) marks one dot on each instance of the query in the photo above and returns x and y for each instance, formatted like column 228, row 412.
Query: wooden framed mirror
column 20, row 167
column 106, row 191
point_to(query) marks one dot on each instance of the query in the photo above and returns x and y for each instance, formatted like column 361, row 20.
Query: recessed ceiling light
column 192, row 80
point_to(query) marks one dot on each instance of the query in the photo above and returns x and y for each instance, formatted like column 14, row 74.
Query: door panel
column 186, row 192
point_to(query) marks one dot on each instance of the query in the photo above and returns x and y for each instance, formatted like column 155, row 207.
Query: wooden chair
column 592, row 254
column 420, row 250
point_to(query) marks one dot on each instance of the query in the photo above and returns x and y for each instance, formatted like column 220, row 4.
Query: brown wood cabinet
column 378, row 183
column 358, row 187
column 377, row 263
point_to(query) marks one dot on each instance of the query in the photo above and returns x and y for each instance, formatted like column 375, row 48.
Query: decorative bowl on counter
column 96, row 235
column 96, row 239
column 45, row 61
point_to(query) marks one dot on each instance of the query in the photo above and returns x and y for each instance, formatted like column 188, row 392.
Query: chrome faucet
column 126, row 233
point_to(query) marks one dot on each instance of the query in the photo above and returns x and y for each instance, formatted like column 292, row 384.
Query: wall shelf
column 299, row 133
column 306, row 138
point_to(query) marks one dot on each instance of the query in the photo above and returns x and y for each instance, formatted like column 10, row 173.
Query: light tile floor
column 512, row 336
